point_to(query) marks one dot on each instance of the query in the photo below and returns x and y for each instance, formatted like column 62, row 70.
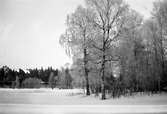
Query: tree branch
column 97, row 47
column 116, row 36
column 114, row 18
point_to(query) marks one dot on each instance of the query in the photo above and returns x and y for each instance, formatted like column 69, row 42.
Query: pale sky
column 30, row 31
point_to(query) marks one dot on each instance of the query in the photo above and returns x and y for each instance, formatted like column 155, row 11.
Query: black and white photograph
column 83, row 56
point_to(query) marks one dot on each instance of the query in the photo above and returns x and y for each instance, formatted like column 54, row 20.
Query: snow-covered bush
column 31, row 83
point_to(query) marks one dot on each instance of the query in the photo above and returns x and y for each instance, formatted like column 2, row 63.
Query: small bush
column 31, row 83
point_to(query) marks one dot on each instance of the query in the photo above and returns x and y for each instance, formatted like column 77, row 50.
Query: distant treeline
column 35, row 78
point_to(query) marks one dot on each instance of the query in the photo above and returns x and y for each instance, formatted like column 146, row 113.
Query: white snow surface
column 73, row 101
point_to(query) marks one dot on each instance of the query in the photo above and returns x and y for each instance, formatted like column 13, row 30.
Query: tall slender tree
column 110, row 16
column 76, row 39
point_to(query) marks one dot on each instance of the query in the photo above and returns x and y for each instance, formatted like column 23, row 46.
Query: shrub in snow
column 31, row 83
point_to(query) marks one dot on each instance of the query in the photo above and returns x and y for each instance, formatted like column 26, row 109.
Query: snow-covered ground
column 48, row 101
column 82, row 109
column 72, row 97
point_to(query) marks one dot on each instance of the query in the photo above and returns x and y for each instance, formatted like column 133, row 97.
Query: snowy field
column 48, row 101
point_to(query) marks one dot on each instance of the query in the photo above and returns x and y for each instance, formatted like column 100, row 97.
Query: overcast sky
column 30, row 31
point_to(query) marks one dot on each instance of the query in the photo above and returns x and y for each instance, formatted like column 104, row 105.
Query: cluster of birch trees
column 115, row 50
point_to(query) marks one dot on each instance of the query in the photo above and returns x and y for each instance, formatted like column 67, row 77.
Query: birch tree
column 110, row 17
column 77, row 37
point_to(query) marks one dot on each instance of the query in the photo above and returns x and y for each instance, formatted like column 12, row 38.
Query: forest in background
column 114, row 51
column 35, row 78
